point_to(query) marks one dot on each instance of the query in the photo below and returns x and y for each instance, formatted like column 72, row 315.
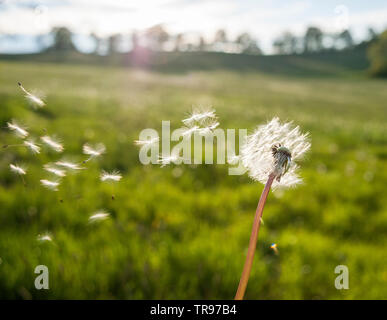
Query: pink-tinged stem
column 253, row 240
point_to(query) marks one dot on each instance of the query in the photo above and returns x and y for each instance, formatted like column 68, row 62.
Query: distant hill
column 314, row 64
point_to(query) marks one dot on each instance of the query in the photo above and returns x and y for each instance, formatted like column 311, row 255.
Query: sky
column 264, row 19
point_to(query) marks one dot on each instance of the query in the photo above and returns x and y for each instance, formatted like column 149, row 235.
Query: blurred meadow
column 182, row 231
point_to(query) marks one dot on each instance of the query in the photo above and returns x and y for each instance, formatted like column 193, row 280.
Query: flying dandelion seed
column 32, row 146
column 52, row 185
column 99, row 216
column 146, row 142
column 35, row 100
column 164, row 161
column 199, row 116
column 52, row 143
column 188, row 131
column 113, row 176
column 44, row 237
column 93, row 152
column 18, row 169
column 56, row 171
column 274, row 247
column 18, row 129
column 68, row 165
column 209, row 127
column 269, row 155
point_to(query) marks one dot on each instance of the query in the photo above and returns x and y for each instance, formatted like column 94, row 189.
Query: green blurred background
column 182, row 231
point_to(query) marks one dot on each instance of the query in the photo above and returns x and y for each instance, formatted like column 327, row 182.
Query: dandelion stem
column 253, row 239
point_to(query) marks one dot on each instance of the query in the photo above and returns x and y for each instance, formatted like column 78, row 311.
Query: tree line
column 157, row 38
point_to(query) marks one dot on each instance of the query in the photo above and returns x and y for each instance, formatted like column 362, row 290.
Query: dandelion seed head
column 52, row 143
column 52, row 185
column 32, row 146
column 260, row 158
column 18, row 129
column 113, row 176
column 99, row 216
column 17, row 169
column 94, row 151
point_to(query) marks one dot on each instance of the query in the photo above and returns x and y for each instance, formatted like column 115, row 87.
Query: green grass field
column 181, row 232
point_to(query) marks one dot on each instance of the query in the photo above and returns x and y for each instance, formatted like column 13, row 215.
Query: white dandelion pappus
column 99, row 216
column 52, row 143
column 261, row 157
column 146, row 142
column 58, row 172
column 209, row 127
column 44, row 237
column 188, row 131
column 17, row 169
column 52, row 185
column 199, row 116
column 32, row 146
column 18, row 129
column 35, row 100
column 113, row 176
column 164, row 161
column 68, row 165
column 95, row 151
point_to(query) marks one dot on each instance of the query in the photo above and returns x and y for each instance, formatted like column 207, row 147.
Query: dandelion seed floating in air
column 68, row 165
column 44, row 237
column 199, row 116
column 56, row 171
column 32, row 146
column 203, row 122
column 146, row 142
column 35, row 100
column 93, row 152
column 18, row 129
column 188, row 131
column 18, row 169
column 168, row 160
column 98, row 216
column 269, row 155
column 113, row 176
column 52, row 185
column 52, row 143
